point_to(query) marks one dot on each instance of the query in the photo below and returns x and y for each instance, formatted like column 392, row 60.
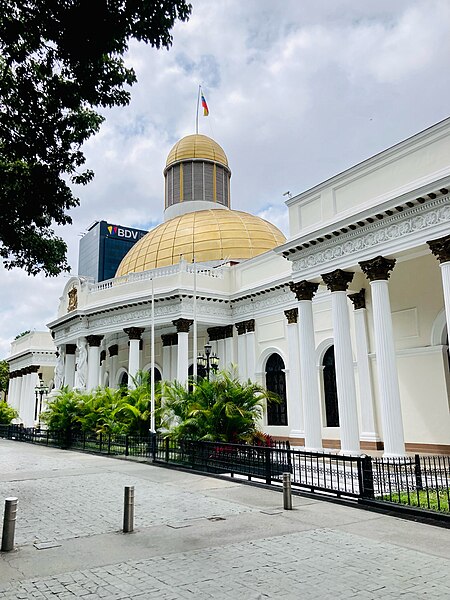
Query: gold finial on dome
column 197, row 146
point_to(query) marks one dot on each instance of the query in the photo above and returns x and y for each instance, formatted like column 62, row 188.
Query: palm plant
column 221, row 409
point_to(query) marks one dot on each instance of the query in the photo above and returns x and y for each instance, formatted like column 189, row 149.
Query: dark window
column 329, row 385
column 276, row 382
column 157, row 373
column 123, row 379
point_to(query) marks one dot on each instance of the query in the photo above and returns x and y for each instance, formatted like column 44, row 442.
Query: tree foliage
column 59, row 61
column 7, row 413
column 4, row 377
column 222, row 409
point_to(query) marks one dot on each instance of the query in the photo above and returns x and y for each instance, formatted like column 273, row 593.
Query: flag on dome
column 204, row 106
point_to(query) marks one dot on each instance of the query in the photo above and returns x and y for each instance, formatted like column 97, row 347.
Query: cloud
column 297, row 92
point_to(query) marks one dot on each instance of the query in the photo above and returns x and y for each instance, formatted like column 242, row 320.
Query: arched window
column 157, row 374
column 330, row 390
column 123, row 379
column 276, row 382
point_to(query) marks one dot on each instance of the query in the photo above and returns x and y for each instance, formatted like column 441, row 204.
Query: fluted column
column 229, row 347
column 250, row 348
column 28, row 400
column 304, row 292
column 94, row 342
column 113, row 352
column 441, row 249
column 18, row 389
column 337, row 282
column 69, row 365
column 294, row 397
column 134, row 336
column 183, row 326
column 369, row 430
column 242, row 351
column 11, row 386
column 378, row 272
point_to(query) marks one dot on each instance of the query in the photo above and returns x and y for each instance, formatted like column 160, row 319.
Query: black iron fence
column 419, row 481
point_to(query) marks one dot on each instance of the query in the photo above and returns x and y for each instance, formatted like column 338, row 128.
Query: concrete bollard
column 9, row 524
column 128, row 509
column 287, row 492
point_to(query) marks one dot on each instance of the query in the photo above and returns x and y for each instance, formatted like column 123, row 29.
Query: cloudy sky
column 298, row 91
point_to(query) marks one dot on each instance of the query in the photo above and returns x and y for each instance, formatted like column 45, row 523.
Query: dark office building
column 102, row 248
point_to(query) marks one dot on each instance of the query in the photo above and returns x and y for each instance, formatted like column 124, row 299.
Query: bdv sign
column 126, row 233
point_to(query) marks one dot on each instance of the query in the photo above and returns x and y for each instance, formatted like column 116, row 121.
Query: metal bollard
column 128, row 509
column 287, row 492
column 9, row 524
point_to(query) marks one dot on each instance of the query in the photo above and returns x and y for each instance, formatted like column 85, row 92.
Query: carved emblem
column 73, row 299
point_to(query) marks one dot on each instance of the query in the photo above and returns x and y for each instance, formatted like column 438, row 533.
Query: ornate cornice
column 378, row 268
column 358, row 299
column 291, row 315
column 94, row 341
column 304, row 290
column 338, row 280
column 441, row 248
column 183, row 325
column 397, row 228
column 134, row 333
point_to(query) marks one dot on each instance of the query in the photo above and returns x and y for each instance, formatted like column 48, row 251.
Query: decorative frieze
column 183, row 325
column 304, row 290
column 338, row 280
column 378, row 268
column 291, row 315
column 441, row 248
column 358, row 299
column 398, row 228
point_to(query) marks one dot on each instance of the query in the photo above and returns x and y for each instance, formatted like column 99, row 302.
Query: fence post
column 418, row 472
column 127, row 451
column 268, row 465
column 101, row 441
column 287, row 491
column 366, row 477
column 109, row 442
column 9, row 524
column 167, row 447
column 128, row 509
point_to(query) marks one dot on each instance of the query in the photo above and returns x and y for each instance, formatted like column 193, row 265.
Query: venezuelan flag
column 204, row 106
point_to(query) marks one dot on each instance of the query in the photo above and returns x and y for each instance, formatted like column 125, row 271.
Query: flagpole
column 194, row 349
column 198, row 104
column 152, row 361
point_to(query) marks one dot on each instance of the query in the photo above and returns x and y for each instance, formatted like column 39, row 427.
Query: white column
column 28, row 398
column 69, row 365
column 221, row 353
column 229, row 351
column 305, row 291
column 174, row 361
column 377, row 271
column 367, row 407
column 441, row 249
column 166, row 362
column 11, row 387
column 294, row 399
column 134, row 355
column 113, row 352
column 18, row 393
column 242, row 357
column 93, row 360
column 251, row 361
column 183, row 326
column 337, row 282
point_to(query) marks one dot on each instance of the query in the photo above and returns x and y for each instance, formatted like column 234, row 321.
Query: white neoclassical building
column 346, row 320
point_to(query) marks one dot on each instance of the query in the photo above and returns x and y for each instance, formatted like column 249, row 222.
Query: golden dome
column 197, row 146
column 215, row 234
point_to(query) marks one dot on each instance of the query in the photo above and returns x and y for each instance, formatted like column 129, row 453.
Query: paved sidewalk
column 197, row 537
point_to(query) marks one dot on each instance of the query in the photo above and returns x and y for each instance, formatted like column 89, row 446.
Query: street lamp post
column 207, row 362
column 40, row 390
